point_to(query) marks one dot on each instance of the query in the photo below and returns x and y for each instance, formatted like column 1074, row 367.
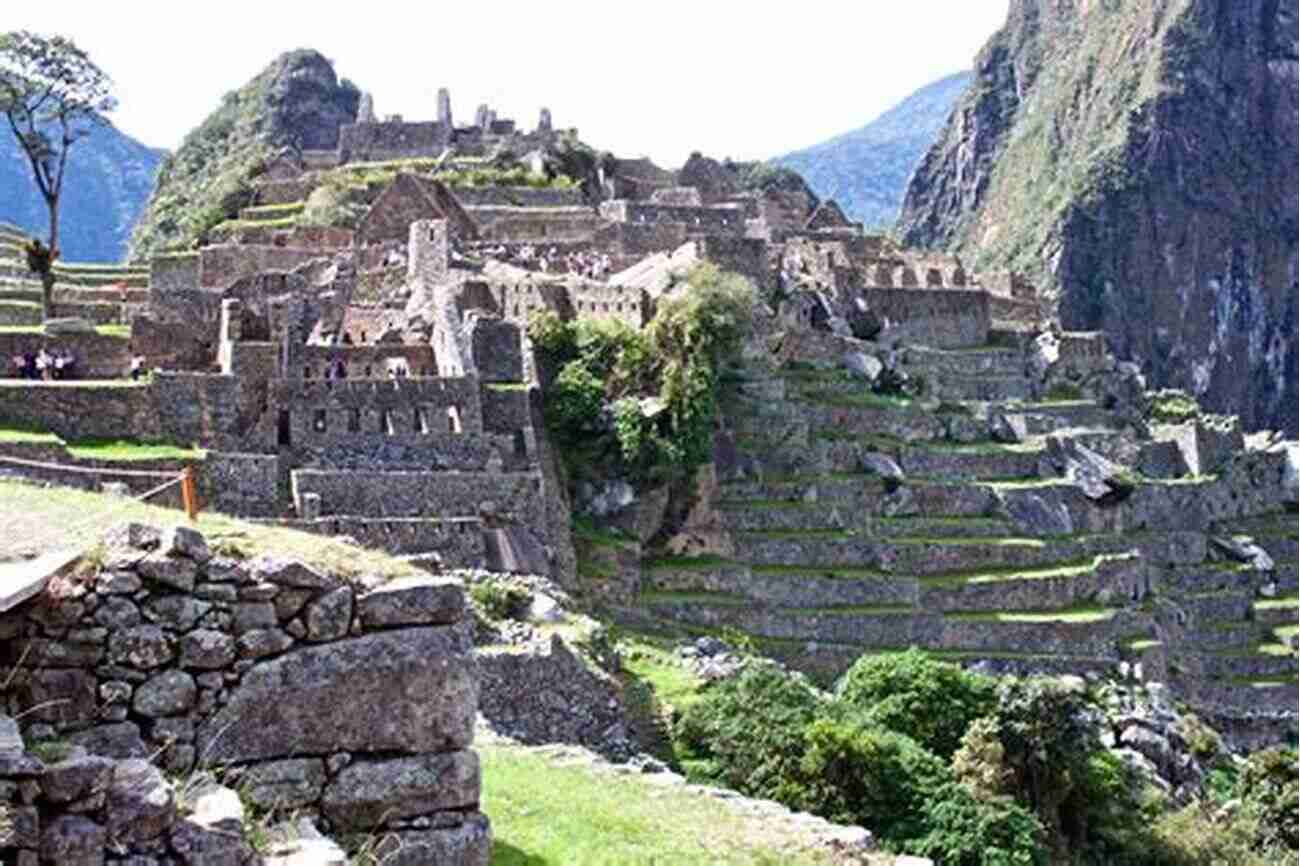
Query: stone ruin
column 343, row 706
column 377, row 383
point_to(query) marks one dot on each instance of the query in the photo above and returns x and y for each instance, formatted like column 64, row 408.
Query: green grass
column 1283, row 632
column 700, row 563
column 123, row 451
column 122, row 332
column 586, row 529
column 720, row 599
column 653, row 661
column 1072, row 568
column 42, row 519
column 795, row 534
column 812, row 571
column 13, row 434
column 549, row 814
column 1078, row 615
column 1283, row 603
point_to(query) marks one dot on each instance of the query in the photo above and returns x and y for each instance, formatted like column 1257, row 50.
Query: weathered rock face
column 297, row 101
column 1140, row 158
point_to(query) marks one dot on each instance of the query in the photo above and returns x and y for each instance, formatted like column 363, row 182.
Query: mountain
column 866, row 170
column 109, row 177
column 296, row 102
column 1139, row 158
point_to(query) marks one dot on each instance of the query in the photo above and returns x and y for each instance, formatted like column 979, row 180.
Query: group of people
column 45, row 364
column 586, row 263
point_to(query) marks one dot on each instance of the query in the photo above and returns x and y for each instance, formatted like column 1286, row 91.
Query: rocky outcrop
column 297, row 102
column 1140, row 159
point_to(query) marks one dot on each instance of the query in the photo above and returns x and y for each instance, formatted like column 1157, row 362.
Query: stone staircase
column 832, row 559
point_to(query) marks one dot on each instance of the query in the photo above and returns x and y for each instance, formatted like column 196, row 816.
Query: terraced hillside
column 103, row 294
column 864, row 523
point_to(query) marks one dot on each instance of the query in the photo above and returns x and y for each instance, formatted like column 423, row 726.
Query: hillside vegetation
column 296, row 102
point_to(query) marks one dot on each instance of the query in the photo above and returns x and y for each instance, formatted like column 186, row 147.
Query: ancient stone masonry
column 353, row 703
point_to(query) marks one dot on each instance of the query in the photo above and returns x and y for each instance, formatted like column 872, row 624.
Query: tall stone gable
column 408, row 199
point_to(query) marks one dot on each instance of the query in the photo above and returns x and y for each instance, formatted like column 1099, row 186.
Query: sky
column 661, row 78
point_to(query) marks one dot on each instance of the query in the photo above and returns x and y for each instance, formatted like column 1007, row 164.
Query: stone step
column 1104, row 579
column 1274, row 612
column 764, row 515
column 973, row 463
column 914, row 557
column 924, row 498
column 843, row 489
column 1042, row 418
column 1256, row 696
column 990, row 361
column 20, row 313
column 928, row 527
column 979, row 387
column 1094, row 633
column 1221, row 635
column 873, row 416
column 776, row 587
column 1205, row 577
column 1265, row 661
column 1216, row 606
column 864, row 627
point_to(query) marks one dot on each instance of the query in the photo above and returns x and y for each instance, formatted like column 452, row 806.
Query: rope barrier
column 63, row 467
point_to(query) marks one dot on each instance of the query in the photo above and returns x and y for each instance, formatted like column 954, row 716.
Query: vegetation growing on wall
column 642, row 403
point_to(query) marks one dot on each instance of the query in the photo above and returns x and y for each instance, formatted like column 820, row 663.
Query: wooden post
column 188, row 499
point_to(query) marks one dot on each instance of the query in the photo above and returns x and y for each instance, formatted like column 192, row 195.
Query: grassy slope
column 40, row 519
column 545, row 813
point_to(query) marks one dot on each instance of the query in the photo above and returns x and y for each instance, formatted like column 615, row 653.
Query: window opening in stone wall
column 318, row 421
column 354, row 420
column 283, row 428
column 306, row 372
column 453, row 419
column 367, row 371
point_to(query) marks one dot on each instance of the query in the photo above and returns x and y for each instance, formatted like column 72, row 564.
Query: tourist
column 137, row 367
column 43, row 364
column 29, row 365
column 56, row 365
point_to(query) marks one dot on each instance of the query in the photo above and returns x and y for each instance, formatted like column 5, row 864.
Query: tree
column 52, row 95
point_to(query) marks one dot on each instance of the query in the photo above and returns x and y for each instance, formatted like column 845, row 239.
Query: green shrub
column 1267, row 786
column 931, row 701
column 965, row 830
column 746, row 733
column 574, row 402
column 855, row 772
column 501, row 600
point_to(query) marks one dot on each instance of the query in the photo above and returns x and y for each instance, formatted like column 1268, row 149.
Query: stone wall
column 97, row 356
column 726, row 219
column 519, row 196
column 949, row 319
column 176, row 271
column 355, row 703
column 512, row 496
column 376, row 142
column 243, row 484
column 363, row 362
column 284, row 191
column 172, row 345
column 454, row 543
column 221, row 265
column 390, row 406
column 539, row 225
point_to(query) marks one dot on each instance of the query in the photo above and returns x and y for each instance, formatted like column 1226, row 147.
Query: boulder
column 514, row 550
column 416, row 600
column 169, row 571
column 863, row 321
column 1034, row 516
column 119, row 740
column 301, row 844
column 1243, row 550
column 370, row 794
column 140, row 802
column 185, row 542
column 1009, row 427
column 544, row 609
column 408, row 691
column 263, row 642
column 288, row 572
column 874, row 463
column 863, row 366
column 1101, row 480
column 330, row 616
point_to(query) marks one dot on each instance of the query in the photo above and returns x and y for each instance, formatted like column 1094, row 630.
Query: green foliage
column 966, row 830
column 855, row 772
column 1267, row 786
column 746, row 733
column 931, row 701
column 659, row 384
column 500, row 599
column 980, row 763
column 1173, row 406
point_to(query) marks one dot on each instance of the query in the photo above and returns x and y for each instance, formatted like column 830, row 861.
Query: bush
column 500, row 600
column 747, row 732
column 574, row 402
column 965, row 830
column 1267, row 786
column 933, row 702
column 855, row 772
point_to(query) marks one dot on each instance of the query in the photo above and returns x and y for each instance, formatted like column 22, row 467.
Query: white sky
column 659, row 78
